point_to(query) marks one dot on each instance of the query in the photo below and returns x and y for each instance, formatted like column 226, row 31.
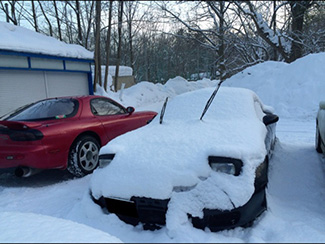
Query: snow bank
column 147, row 93
column 293, row 90
column 20, row 39
column 36, row 228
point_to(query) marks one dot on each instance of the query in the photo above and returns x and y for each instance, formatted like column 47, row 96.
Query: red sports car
column 64, row 133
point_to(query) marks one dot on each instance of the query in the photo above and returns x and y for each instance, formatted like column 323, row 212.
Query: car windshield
column 44, row 110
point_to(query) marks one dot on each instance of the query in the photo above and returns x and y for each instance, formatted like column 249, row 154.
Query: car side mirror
column 270, row 119
column 130, row 110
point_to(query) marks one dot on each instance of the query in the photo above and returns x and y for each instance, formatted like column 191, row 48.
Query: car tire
column 83, row 156
column 318, row 141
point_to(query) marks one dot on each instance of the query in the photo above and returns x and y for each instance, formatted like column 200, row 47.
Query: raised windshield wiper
column 163, row 111
column 207, row 105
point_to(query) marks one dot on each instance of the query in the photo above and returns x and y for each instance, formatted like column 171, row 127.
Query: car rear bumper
column 152, row 212
column 33, row 156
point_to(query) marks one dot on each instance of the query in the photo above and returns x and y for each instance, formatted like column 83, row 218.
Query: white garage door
column 18, row 88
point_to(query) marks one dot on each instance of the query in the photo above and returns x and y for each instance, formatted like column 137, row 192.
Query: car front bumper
column 243, row 216
column 152, row 212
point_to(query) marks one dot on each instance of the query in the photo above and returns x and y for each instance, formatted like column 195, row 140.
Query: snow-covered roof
column 123, row 70
column 20, row 39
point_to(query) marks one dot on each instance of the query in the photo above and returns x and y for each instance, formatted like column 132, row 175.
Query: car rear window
column 56, row 108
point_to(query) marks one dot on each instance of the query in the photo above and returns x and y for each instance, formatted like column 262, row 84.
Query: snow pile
column 147, row 93
column 20, row 228
column 293, row 90
column 20, row 39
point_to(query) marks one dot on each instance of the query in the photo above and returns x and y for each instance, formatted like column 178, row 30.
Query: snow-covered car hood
column 160, row 160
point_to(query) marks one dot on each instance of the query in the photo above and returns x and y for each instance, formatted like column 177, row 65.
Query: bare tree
column 46, row 18
column 76, row 9
column 273, row 38
column 277, row 40
column 87, row 20
column 213, row 38
column 12, row 16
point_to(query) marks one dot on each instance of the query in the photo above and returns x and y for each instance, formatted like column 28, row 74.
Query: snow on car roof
column 151, row 161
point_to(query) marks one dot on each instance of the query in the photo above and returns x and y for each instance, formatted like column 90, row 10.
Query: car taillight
column 25, row 135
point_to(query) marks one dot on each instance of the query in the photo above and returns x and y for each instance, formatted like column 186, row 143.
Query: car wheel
column 318, row 141
column 83, row 156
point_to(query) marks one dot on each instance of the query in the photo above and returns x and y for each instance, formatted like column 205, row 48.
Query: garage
column 27, row 81
column 34, row 66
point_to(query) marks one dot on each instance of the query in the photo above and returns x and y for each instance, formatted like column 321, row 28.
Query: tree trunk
column 57, row 20
column 34, row 16
column 275, row 53
column 89, row 23
column 130, row 14
column 120, row 17
column 13, row 12
column 97, row 79
column 219, row 9
column 78, row 21
column 7, row 12
column 221, row 49
column 298, row 10
column 108, row 43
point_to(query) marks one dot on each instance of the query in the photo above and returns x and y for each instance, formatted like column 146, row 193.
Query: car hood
column 170, row 160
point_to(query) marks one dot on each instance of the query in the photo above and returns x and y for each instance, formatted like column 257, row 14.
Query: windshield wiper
column 207, row 105
column 163, row 111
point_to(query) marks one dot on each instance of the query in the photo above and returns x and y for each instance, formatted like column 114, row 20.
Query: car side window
column 102, row 107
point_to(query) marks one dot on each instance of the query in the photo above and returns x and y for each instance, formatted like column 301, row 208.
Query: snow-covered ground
column 296, row 190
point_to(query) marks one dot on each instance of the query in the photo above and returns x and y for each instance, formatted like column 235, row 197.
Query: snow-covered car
column 213, row 172
column 320, row 128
